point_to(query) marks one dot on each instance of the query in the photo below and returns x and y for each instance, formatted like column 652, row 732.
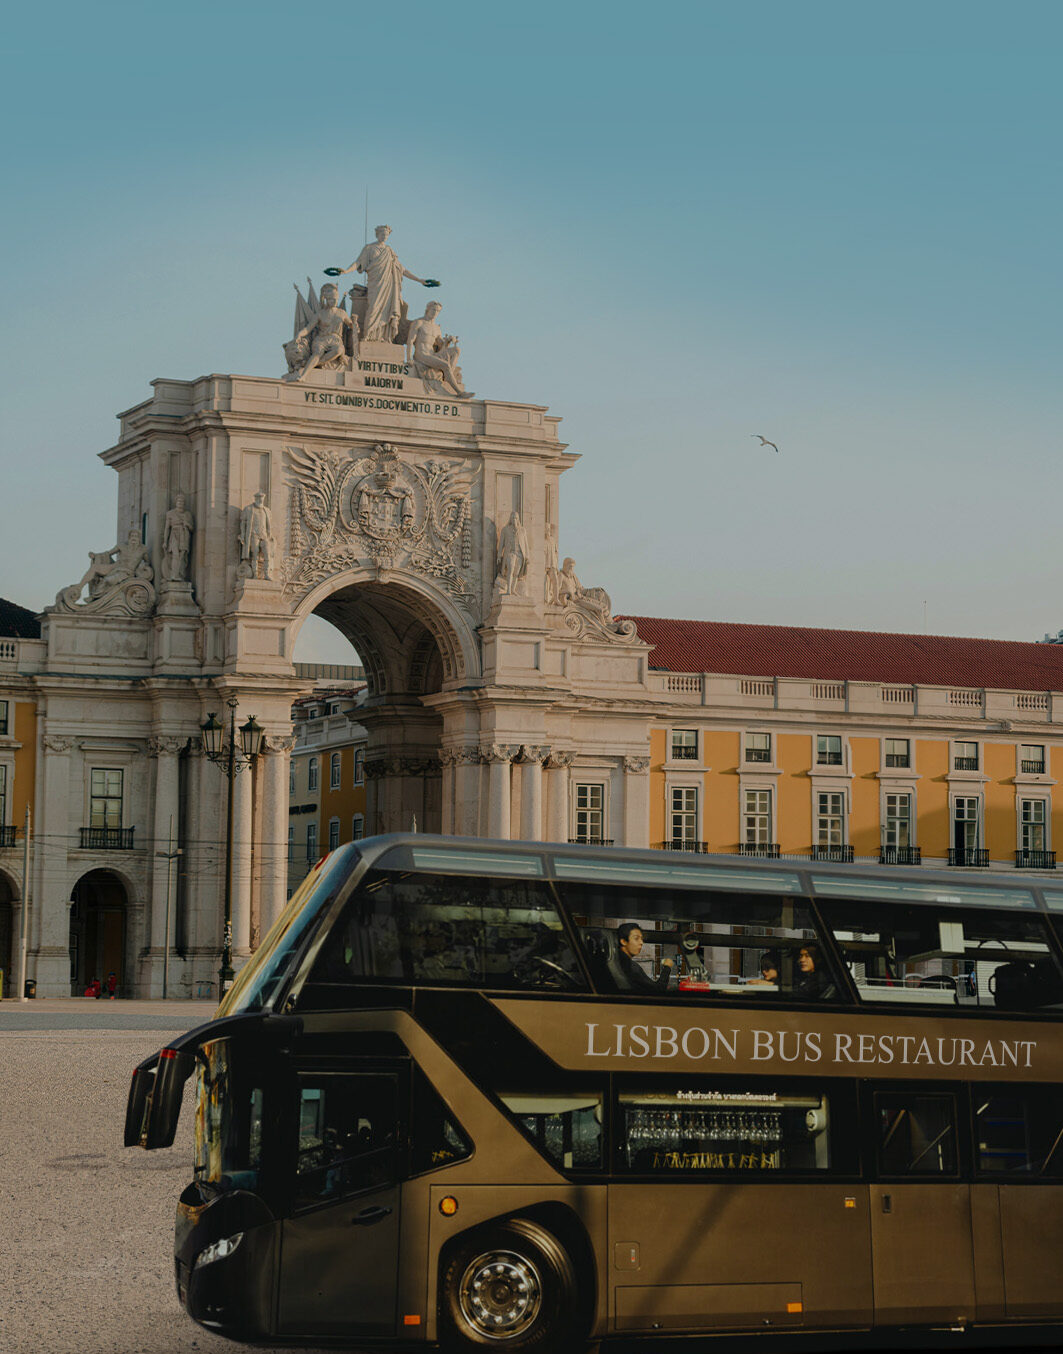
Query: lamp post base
column 225, row 977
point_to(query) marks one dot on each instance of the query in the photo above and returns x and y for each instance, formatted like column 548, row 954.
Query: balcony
column 975, row 856
column 590, row 841
column 765, row 850
column 965, row 764
column 758, row 754
column 699, row 848
column 107, row 838
column 1032, row 768
column 681, row 752
column 7, row 835
column 900, row 855
column 1026, row 859
column 843, row 854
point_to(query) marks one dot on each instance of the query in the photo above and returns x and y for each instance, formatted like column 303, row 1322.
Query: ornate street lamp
column 232, row 757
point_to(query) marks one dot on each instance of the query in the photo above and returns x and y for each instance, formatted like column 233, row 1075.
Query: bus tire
column 510, row 1286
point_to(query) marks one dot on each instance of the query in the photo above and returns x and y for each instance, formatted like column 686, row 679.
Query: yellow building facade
column 326, row 789
column 18, row 768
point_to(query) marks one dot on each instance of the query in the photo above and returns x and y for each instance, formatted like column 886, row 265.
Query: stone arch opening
column 99, row 913
column 412, row 645
column 10, row 903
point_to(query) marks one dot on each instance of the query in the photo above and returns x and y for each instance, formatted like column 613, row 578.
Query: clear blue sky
column 836, row 224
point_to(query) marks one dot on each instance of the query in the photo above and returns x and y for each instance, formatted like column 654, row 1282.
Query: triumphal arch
column 368, row 485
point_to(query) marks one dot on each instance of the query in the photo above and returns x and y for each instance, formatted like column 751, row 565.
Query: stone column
column 498, row 757
column 274, row 846
column 558, row 766
column 241, row 863
column 636, row 802
column 467, row 775
column 448, row 759
column 50, row 922
column 163, row 872
column 531, row 792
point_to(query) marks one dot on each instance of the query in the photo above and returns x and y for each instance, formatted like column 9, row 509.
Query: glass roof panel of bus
column 668, row 875
column 1054, row 899
column 455, row 861
column 845, row 886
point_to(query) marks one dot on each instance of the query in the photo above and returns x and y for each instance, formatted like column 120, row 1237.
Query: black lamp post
column 231, row 757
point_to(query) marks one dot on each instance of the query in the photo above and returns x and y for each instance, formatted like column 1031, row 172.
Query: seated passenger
column 769, row 971
column 813, row 982
column 629, row 936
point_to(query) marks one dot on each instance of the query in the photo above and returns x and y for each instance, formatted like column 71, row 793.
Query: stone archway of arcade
column 10, row 902
column 99, row 924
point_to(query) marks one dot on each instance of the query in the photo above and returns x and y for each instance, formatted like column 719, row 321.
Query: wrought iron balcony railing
column 1032, row 768
column 839, row 853
column 969, row 855
column 590, row 841
column 900, row 855
column 679, row 844
column 766, row 850
column 107, row 838
column 1026, row 859
column 7, row 834
column 681, row 752
column 966, row 764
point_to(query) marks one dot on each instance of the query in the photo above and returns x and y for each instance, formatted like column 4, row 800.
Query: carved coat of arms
column 379, row 508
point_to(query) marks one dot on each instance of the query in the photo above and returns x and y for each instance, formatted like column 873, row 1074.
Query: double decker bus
column 524, row 1096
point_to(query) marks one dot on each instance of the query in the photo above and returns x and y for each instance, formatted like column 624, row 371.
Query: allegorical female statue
column 383, row 275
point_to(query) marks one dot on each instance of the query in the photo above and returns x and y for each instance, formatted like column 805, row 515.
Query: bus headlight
column 218, row 1250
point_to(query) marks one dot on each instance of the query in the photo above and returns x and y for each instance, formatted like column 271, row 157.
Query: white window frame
column 291, row 777
column 819, row 816
column 886, row 754
column 5, row 718
column 954, row 745
column 694, row 812
column 757, row 813
column 357, row 827
column 313, row 774
column 672, row 745
column 291, row 841
column 1045, row 824
column 590, row 810
column 335, row 771
column 333, row 832
column 1021, row 760
column 759, row 762
column 820, row 760
column 312, row 847
column 898, row 792
column 359, row 766
column 3, row 794
column 121, row 797
column 978, row 819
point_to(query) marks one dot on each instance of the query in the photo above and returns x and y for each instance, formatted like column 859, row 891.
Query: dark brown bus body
column 773, row 1168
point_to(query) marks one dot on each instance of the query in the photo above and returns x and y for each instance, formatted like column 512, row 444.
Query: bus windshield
column 259, row 978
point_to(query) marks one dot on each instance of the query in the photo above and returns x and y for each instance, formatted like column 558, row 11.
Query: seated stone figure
column 322, row 342
column 433, row 355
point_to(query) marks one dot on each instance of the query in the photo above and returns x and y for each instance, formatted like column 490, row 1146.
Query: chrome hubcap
column 501, row 1294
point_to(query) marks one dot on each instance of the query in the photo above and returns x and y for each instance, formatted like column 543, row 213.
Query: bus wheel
column 512, row 1285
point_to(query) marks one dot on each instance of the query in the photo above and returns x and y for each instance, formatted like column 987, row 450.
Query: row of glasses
column 669, row 1129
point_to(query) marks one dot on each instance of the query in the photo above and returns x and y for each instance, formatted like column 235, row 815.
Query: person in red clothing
column 112, row 985
column 93, row 989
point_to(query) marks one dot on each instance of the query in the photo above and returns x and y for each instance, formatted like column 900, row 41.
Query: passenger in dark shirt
column 630, row 937
column 813, row 982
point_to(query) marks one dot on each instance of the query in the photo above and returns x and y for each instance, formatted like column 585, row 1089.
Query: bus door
column 339, row 1247
column 921, row 1239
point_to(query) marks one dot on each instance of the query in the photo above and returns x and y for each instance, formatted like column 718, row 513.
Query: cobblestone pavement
column 86, row 1225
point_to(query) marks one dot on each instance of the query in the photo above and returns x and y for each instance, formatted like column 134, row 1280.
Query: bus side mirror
column 139, row 1096
column 164, row 1104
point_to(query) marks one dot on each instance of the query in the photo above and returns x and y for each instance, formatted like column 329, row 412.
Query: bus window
column 916, row 1134
column 448, row 929
column 934, row 956
column 437, row 1139
column 346, row 1139
column 732, row 944
column 228, row 1122
column 713, row 1131
column 566, row 1128
column 1019, row 1130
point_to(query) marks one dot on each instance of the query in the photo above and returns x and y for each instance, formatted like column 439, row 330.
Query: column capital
column 498, row 752
column 51, row 742
column 559, row 759
column 533, row 752
column 166, row 746
column 636, row 766
column 278, row 743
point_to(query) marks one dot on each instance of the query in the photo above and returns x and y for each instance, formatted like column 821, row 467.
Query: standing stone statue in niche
column 256, row 539
column 384, row 274
column 430, row 351
column 512, row 565
column 177, row 542
column 322, row 341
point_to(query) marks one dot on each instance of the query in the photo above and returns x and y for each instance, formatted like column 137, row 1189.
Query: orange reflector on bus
column 795, row 1306
column 411, row 1320
column 850, row 1202
column 448, row 1206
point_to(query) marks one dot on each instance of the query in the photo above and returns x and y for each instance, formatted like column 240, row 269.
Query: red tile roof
column 850, row 655
column 18, row 623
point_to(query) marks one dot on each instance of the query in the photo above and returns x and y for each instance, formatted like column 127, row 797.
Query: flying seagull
column 765, row 443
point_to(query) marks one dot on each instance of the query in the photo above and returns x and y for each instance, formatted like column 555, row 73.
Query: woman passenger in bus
column 769, row 971
column 813, row 982
column 629, row 935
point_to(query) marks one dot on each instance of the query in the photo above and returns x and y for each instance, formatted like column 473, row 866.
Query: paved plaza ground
column 86, row 1225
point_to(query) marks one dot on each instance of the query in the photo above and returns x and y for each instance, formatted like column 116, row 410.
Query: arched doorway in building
column 9, row 937
column 98, row 907
column 412, row 642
